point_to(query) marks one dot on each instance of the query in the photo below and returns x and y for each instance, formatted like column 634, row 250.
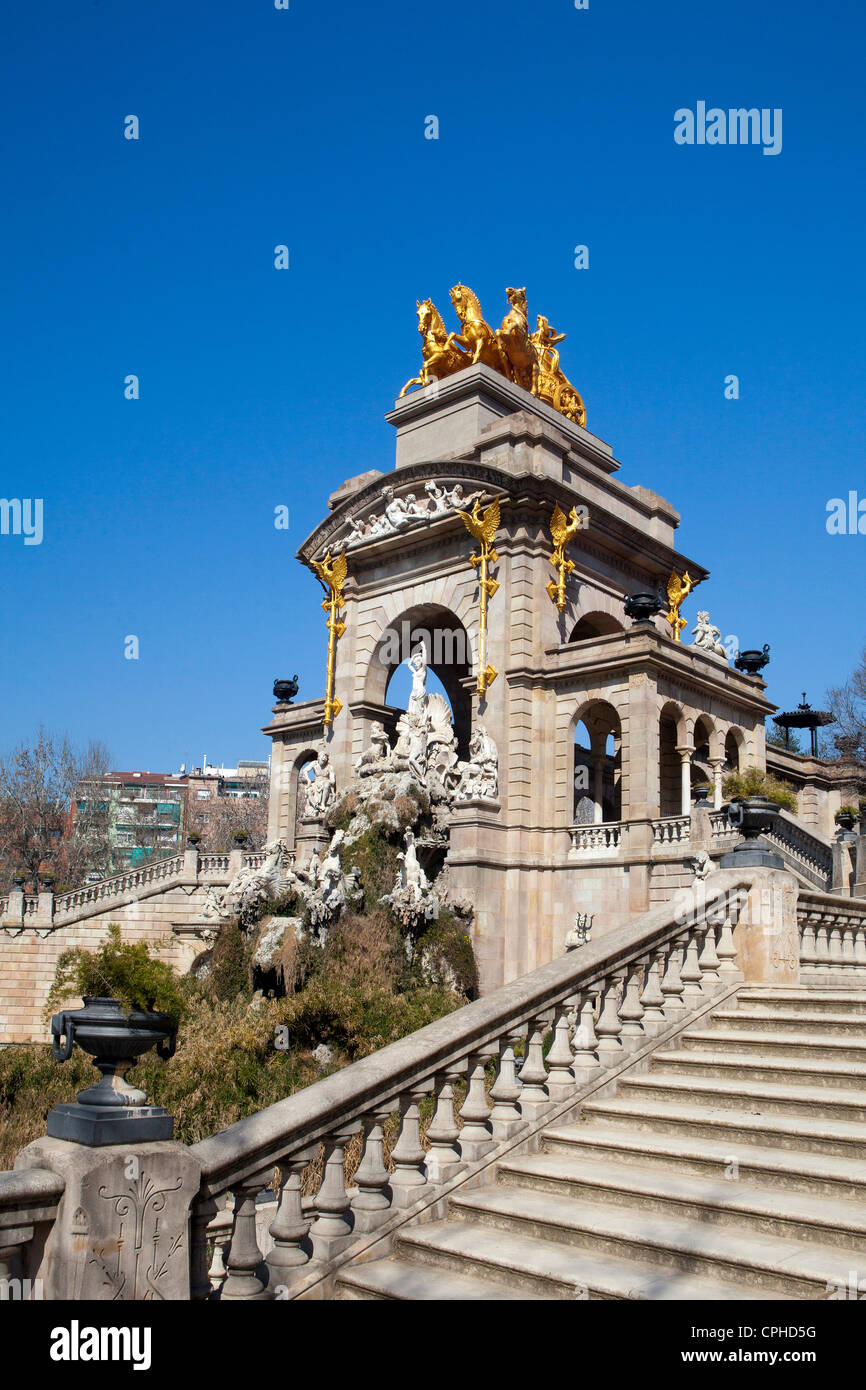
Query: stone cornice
column 300, row 718
column 647, row 650
column 527, row 493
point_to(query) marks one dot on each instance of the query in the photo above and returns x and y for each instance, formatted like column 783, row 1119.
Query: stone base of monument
column 121, row 1231
column 95, row 1125
column 752, row 854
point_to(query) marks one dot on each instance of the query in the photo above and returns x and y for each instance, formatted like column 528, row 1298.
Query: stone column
column 717, row 765
column 598, row 787
column 686, row 780
column 842, row 868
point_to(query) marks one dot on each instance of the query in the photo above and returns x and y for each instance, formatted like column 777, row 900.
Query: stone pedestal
column 122, row 1228
column 767, row 937
column 843, row 851
column 859, row 890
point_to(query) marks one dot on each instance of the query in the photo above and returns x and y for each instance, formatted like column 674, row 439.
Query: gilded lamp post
column 332, row 575
column 484, row 529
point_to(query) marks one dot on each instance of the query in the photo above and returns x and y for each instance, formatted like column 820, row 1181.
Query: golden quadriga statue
column 531, row 360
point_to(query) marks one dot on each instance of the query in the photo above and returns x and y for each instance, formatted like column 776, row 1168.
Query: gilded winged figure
column 679, row 589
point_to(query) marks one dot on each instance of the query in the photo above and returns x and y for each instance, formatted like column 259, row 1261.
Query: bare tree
column 848, row 703
column 230, row 815
column 45, row 825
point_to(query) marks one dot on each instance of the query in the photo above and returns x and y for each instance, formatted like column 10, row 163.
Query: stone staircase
column 734, row 1167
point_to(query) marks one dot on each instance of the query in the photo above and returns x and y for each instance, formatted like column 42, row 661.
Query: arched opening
column 670, row 763
column 449, row 664
column 597, row 765
column 702, row 769
column 733, row 746
column 593, row 625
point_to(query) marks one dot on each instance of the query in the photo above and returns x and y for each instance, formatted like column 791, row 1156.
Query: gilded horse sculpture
column 530, row 360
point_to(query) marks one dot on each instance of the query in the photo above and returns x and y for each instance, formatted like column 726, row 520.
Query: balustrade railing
column 802, row 850
column 832, row 938
column 213, row 863
column 672, row 830
column 119, row 884
column 595, row 838
column 28, row 1198
column 601, row 1005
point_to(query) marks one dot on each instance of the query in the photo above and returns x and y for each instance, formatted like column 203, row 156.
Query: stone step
column 553, row 1269
column 750, row 1097
column 731, row 1204
column 812, row 1001
column 802, row 1171
column 815, row 1046
column 731, row 1128
column 408, row 1281
column 788, row 1268
column 758, row 1067
column 752, row 1020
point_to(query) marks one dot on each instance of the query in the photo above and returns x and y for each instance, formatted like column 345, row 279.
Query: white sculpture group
column 426, row 746
column 411, row 899
column 402, row 512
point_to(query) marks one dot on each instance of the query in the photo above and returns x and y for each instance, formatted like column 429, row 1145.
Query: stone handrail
column 803, row 850
column 602, row 835
column 149, row 878
column 672, row 830
column 646, row 976
column 213, row 863
column 832, row 937
column 28, row 1197
column 119, row 884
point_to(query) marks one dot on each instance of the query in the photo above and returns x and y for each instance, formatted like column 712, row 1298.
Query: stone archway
column 597, row 735
column 593, row 625
column 672, row 739
column 449, row 657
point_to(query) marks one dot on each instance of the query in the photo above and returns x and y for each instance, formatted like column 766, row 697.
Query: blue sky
column 261, row 388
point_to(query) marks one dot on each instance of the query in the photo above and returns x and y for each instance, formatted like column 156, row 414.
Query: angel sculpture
column 562, row 532
column 484, row 529
column 678, row 591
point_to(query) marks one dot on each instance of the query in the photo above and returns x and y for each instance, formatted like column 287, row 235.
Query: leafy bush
column 752, row 781
column 121, row 970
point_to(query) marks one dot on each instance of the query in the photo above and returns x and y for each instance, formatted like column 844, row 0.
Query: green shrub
column 121, row 970
column 752, row 781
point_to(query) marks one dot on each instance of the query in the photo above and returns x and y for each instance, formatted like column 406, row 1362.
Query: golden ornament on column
column 679, row 588
column 484, row 529
column 332, row 575
column 563, row 531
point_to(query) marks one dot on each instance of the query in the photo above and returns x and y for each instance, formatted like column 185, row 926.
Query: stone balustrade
column 595, row 839
column 803, row 850
column 832, row 939
column 28, row 1200
column 602, row 1005
column 46, row 909
column 672, row 830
